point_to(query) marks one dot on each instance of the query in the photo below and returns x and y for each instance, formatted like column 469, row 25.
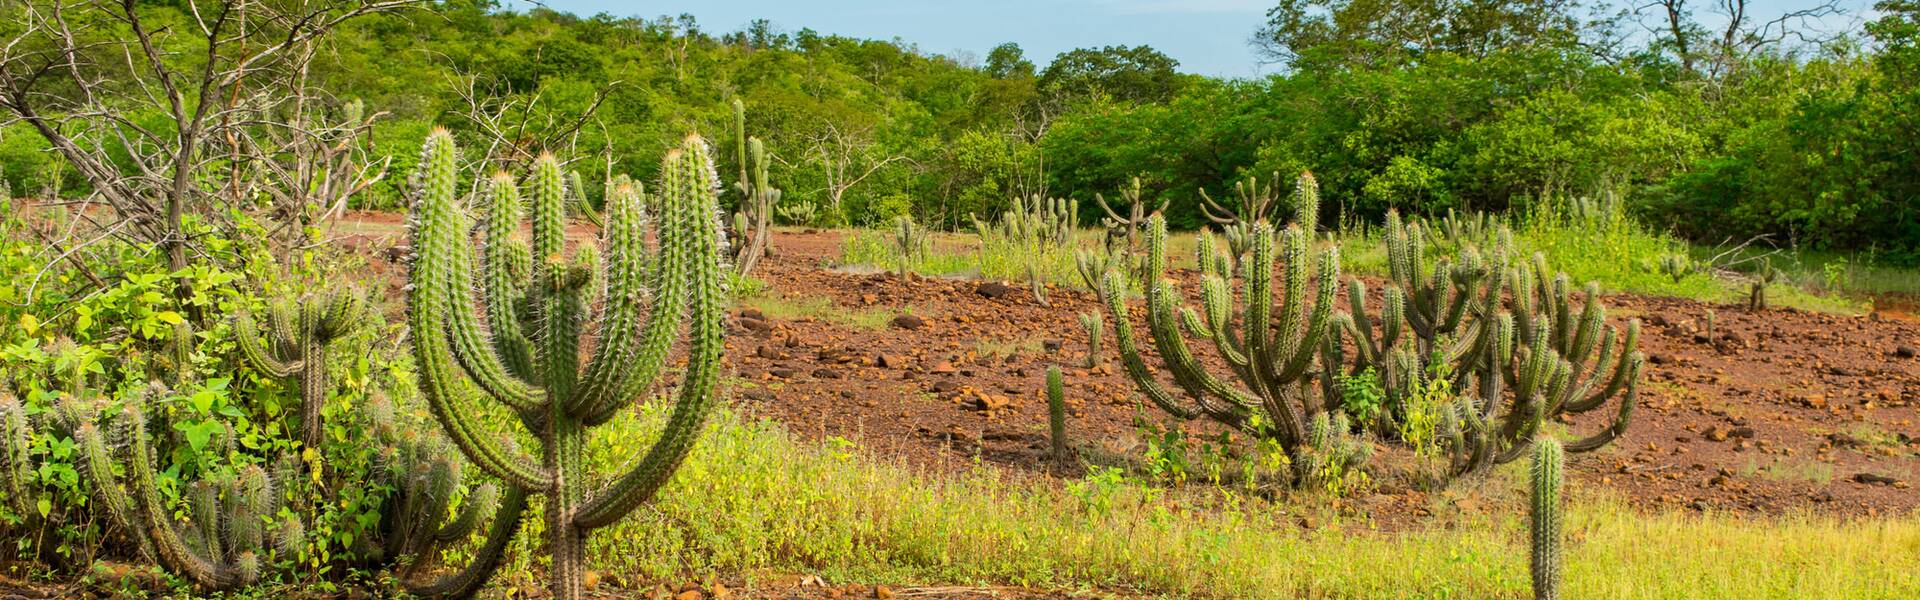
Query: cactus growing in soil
column 1094, row 325
column 1057, row 415
column 1127, row 226
column 1544, row 519
column 1675, row 266
column 910, row 243
column 298, row 337
column 648, row 296
column 1272, row 363
column 753, row 219
column 1034, row 224
column 1757, row 297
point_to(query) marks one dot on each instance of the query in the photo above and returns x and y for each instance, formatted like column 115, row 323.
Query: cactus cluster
column 1515, row 366
column 753, row 218
column 1034, row 223
column 527, row 354
column 1123, row 227
column 1675, row 266
column 298, row 337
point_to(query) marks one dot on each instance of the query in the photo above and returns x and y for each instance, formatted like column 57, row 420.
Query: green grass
column 777, row 306
column 753, row 499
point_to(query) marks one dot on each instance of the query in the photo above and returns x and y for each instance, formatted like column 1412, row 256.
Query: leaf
column 170, row 317
column 46, row 507
column 29, row 324
column 199, row 433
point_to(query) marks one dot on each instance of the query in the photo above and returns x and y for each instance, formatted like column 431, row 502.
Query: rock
column 908, row 322
column 399, row 254
column 767, row 352
column 993, row 289
column 1741, row 432
column 1660, row 359
column 751, row 324
column 783, row 372
column 944, row 387
column 1905, row 351
column 869, row 298
column 890, row 361
column 985, row 401
column 826, row 373
column 1050, row 345
column 753, row 313
column 1715, row 434
column 1841, row 440
column 1874, row 479
column 720, row 592
column 689, row 595
column 881, row 591
column 942, row 367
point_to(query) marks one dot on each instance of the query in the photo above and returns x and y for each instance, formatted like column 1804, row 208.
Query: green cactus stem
column 1057, row 415
column 1544, row 519
column 648, row 297
column 299, row 337
column 1094, row 326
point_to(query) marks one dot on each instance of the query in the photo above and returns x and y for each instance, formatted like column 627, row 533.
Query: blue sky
column 1206, row 36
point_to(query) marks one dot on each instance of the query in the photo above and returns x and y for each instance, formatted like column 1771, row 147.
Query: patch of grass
column 818, row 308
column 1783, row 470
column 752, row 499
column 999, row 348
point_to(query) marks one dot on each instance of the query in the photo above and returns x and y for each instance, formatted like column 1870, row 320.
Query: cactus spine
column 296, row 343
column 1545, row 519
column 647, row 299
column 1057, row 415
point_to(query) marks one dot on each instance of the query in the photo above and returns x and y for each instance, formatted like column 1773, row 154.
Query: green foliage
column 527, row 357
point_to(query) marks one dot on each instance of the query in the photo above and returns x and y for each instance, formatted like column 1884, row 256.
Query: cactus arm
column 1129, row 352
column 700, row 244
column 1545, row 520
column 627, row 298
column 669, row 298
column 1187, row 372
column 1626, row 373
column 487, row 559
column 483, row 500
column 247, row 336
column 503, row 287
column 1307, row 343
column 434, row 300
column 16, row 438
column 1620, row 422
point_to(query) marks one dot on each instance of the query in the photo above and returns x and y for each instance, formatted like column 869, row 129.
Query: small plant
column 1676, row 266
column 1834, row 274
column 1333, row 456
column 649, row 295
column 1057, row 415
column 1757, row 297
column 1094, row 326
column 1361, row 395
column 298, row 337
column 909, row 244
column 1545, row 519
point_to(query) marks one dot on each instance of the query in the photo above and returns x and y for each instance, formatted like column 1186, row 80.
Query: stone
column 1050, row 345
column 890, row 361
column 1905, row 351
column 908, row 322
column 767, row 352
column 993, row 289
column 1874, row 479
column 826, row 373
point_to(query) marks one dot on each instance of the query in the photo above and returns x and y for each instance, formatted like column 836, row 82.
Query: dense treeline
column 1420, row 105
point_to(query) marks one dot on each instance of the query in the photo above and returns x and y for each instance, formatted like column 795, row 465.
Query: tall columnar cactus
column 1057, row 415
column 647, row 298
column 1272, row 361
column 296, row 342
column 1545, row 519
column 910, row 243
column 1306, row 202
column 1126, row 226
column 1094, row 326
column 753, row 219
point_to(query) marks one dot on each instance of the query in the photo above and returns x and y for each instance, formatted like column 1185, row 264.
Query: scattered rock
column 1050, row 345
column 1660, row 359
column 993, row 289
column 1905, row 351
column 783, row 372
column 890, row 361
column 942, row 367
column 985, row 401
column 767, row 352
column 881, row 591
column 908, row 322
column 1874, row 479
column 753, row 313
column 689, row 595
column 399, row 254
column 826, row 373
column 1715, row 434
column 1842, row 440
column 1741, row 432
column 944, row 387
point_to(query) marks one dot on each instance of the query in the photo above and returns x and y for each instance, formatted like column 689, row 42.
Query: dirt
column 1780, row 411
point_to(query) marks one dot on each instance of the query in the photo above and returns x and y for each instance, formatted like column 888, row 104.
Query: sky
column 1208, row 37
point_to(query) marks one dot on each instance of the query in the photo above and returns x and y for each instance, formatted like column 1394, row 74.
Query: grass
column 778, row 306
column 752, row 499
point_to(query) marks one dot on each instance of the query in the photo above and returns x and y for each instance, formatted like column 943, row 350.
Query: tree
column 1008, row 60
column 1358, row 33
column 1131, row 74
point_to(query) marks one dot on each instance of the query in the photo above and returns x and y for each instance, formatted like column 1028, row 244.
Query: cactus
column 1675, row 266
column 647, row 297
column 1093, row 324
column 577, row 191
column 1545, row 519
column 299, row 335
column 799, row 213
column 910, row 244
column 1057, row 415
column 1127, row 227
column 1765, row 277
column 1274, row 398
column 753, row 218
column 1332, row 453
column 1034, row 224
